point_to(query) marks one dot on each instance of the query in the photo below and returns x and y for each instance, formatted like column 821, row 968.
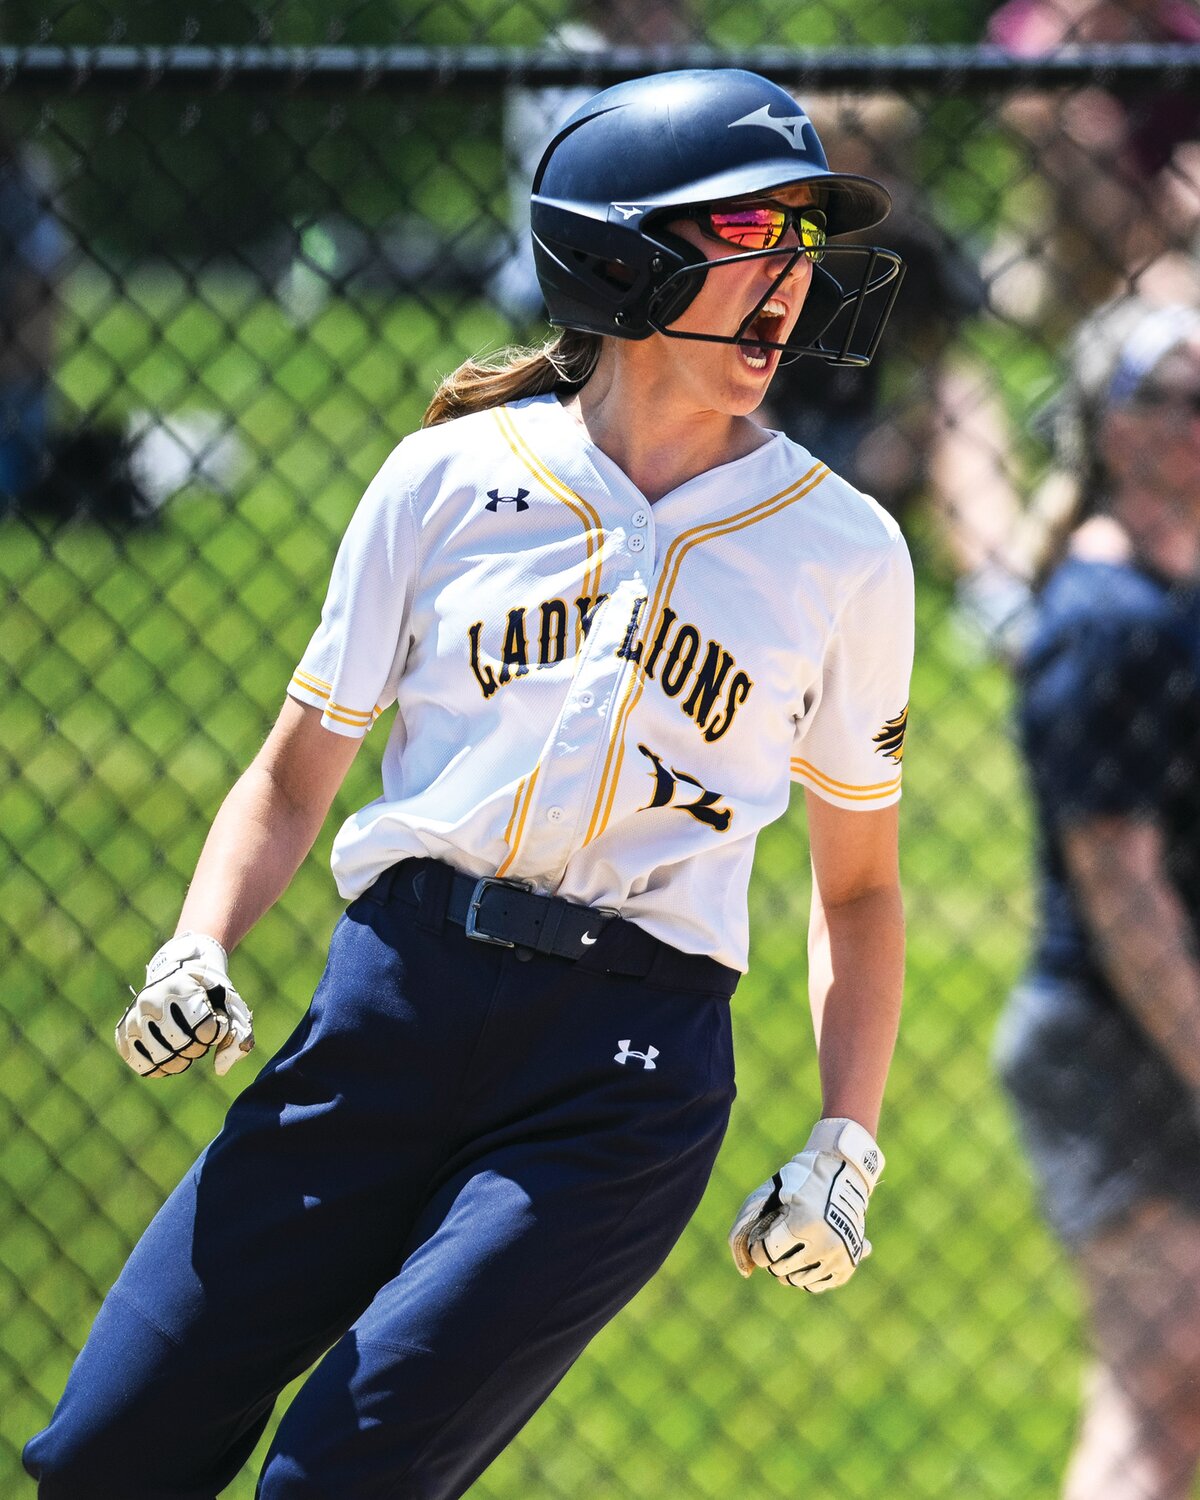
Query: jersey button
column 640, row 518
column 636, row 543
column 586, row 700
column 554, row 815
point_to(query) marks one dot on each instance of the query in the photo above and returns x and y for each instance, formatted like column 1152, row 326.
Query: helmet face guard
column 830, row 326
column 646, row 153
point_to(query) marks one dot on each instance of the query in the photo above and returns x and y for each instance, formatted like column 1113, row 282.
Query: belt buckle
column 477, row 895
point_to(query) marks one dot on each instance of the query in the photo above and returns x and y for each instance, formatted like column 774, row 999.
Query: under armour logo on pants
column 626, row 1052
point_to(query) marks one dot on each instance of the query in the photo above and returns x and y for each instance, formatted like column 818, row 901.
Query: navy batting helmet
column 642, row 154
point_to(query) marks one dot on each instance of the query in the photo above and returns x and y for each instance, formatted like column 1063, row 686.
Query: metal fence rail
column 300, row 69
column 230, row 277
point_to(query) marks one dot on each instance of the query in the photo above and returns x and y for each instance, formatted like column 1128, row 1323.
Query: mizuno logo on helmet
column 788, row 126
column 629, row 210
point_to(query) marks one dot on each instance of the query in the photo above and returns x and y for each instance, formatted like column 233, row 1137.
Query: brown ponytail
column 562, row 364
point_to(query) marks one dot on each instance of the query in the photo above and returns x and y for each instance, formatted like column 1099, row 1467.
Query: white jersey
column 604, row 698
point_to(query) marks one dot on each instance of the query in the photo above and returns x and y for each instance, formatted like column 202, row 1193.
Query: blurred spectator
column 923, row 421
column 32, row 249
column 1099, row 1046
column 44, row 470
column 1123, row 170
column 532, row 115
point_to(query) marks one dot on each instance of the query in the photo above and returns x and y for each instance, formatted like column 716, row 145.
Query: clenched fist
column 187, row 1007
column 806, row 1226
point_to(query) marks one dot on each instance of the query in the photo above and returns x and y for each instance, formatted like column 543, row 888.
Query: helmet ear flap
column 610, row 277
column 674, row 293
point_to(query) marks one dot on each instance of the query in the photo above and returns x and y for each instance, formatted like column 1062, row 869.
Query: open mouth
column 766, row 328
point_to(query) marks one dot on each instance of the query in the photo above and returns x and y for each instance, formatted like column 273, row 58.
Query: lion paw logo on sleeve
column 890, row 738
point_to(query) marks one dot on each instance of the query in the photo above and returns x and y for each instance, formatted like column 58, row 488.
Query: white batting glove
column 187, row 1007
column 806, row 1226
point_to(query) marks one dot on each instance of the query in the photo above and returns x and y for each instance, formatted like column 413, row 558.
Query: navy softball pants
column 446, row 1178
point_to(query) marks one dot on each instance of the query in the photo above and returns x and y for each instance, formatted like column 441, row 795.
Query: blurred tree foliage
column 251, row 173
column 496, row 22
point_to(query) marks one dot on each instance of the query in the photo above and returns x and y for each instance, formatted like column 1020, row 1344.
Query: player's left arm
column 807, row 1226
column 856, row 925
column 855, row 954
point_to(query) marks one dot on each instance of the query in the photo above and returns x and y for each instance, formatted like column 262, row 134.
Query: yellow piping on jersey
column 662, row 594
column 871, row 791
column 363, row 717
column 593, row 533
column 593, row 537
column 523, row 800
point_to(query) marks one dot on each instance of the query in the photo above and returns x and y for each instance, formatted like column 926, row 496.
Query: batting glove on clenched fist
column 187, row 1007
column 806, row 1226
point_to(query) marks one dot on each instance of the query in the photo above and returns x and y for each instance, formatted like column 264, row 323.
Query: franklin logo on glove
column 807, row 1225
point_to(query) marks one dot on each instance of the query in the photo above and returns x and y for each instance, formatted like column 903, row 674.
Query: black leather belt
column 498, row 911
column 507, row 914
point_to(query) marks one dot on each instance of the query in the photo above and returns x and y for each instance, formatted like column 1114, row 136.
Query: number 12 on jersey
column 704, row 808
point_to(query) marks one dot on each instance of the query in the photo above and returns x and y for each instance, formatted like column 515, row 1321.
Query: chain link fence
column 237, row 252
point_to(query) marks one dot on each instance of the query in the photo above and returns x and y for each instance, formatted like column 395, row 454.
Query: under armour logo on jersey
column 788, row 126
column 496, row 500
column 646, row 1058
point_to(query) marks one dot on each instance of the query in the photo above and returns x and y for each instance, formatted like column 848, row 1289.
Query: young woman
column 617, row 617
column 1100, row 1045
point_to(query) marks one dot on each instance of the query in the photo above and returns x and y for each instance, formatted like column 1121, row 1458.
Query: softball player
column 616, row 618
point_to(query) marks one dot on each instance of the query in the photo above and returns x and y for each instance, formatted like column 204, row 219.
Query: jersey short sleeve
column 351, row 668
column 1100, row 717
column 849, row 747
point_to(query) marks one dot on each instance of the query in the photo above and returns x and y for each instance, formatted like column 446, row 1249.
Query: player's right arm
column 267, row 825
column 259, row 838
column 270, row 820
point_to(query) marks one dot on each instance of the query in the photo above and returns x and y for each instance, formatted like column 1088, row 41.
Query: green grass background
column 142, row 670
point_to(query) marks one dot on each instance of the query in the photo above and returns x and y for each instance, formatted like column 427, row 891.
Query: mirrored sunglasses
column 762, row 226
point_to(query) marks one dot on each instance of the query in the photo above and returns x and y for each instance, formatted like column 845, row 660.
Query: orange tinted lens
column 750, row 228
